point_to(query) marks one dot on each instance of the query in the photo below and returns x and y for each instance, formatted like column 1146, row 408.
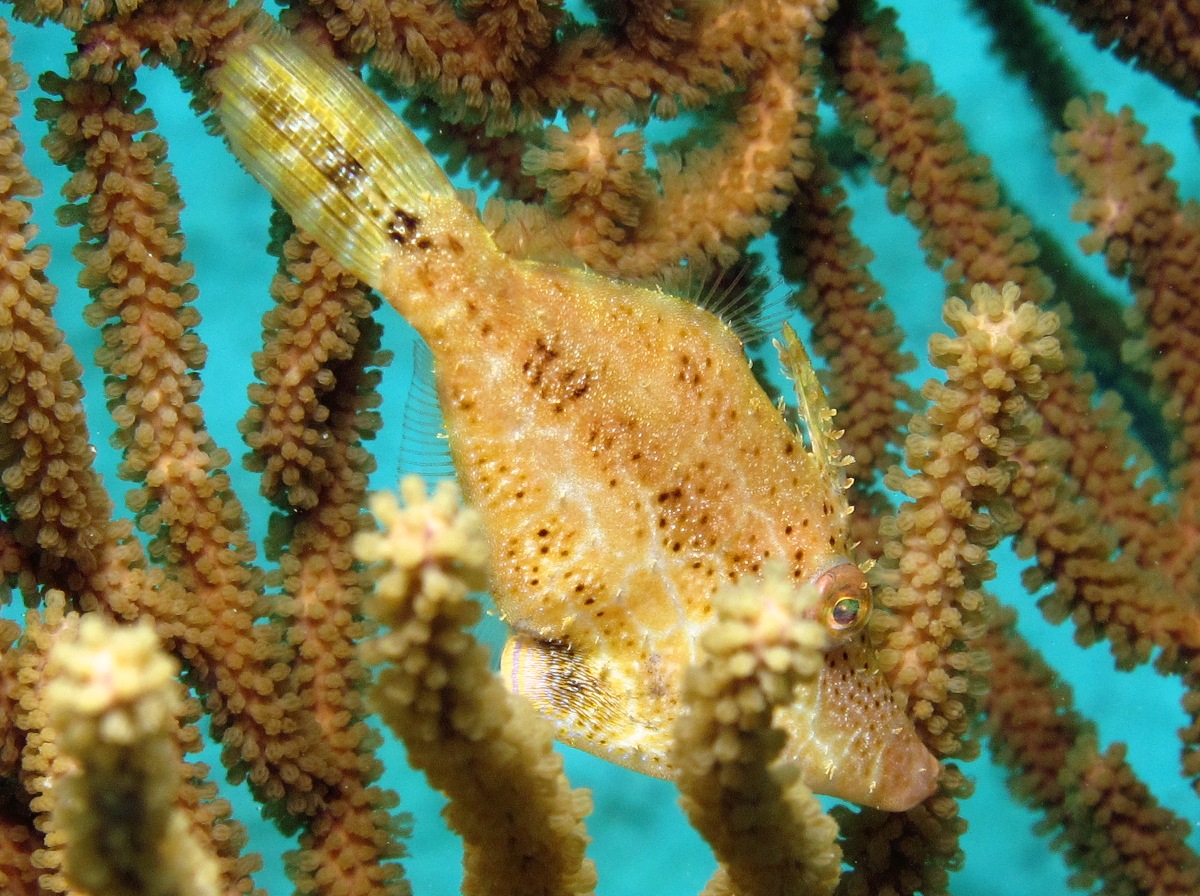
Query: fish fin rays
column 817, row 418
column 333, row 154
column 570, row 690
column 741, row 295
column 558, row 682
column 424, row 447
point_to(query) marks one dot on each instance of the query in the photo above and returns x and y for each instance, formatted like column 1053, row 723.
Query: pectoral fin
column 590, row 713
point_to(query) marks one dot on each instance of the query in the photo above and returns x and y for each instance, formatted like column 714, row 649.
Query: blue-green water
column 640, row 838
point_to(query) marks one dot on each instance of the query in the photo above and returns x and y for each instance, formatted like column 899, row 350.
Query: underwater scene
column 197, row 400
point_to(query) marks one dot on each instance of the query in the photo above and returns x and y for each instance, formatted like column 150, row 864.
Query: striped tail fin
column 329, row 150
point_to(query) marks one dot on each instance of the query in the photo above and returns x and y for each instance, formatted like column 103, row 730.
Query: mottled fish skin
column 624, row 459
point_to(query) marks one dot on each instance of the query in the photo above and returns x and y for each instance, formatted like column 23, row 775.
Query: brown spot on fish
column 403, row 227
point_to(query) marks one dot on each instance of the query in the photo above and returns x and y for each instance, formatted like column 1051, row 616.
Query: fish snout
column 851, row 741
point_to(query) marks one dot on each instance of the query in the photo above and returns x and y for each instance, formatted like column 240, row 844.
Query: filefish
column 624, row 459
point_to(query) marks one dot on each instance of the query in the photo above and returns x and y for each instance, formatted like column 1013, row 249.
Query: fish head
column 845, row 732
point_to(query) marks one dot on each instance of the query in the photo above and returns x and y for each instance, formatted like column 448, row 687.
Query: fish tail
column 329, row 150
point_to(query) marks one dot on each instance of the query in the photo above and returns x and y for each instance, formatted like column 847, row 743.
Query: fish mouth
column 851, row 741
column 845, row 733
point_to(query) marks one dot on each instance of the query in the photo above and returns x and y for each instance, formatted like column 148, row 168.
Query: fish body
column 624, row 460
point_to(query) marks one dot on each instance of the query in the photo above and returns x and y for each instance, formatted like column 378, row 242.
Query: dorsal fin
column 817, row 418
column 740, row 295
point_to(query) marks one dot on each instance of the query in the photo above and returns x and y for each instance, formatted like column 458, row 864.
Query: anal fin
column 424, row 446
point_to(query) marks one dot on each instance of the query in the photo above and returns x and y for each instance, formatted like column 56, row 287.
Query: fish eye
column 845, row 612
column 846, row 599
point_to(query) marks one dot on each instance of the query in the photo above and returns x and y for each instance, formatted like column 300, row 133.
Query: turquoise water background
column 641, row 840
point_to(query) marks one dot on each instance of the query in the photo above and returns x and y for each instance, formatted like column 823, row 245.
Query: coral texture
column 711, row 146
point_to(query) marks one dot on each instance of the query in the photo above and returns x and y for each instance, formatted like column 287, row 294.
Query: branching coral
column 486, row 749
column 266, row 619
column 766, row 828
column 113, row 707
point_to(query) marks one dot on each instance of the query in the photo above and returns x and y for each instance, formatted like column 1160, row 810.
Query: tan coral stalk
column 961, row 450
column 765, row 826
column 936, row 562
column 485, row 748
column 60, row 509
column 1152, row 238
column 113, row 701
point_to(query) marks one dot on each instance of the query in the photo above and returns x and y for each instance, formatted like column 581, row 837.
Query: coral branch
column 765, row 826
column 897, row 115
column 1106, row 821
column 114, row 703
column 91, row 786
column 128, row 212
column 853, row 331
column 961, row 449
column 1153, row 239
column 650, row 140
column 59, row 516
column 483, row 747
column 1162, row 40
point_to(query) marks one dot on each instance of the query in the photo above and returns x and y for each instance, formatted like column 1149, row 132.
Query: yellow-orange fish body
column 624, row 459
